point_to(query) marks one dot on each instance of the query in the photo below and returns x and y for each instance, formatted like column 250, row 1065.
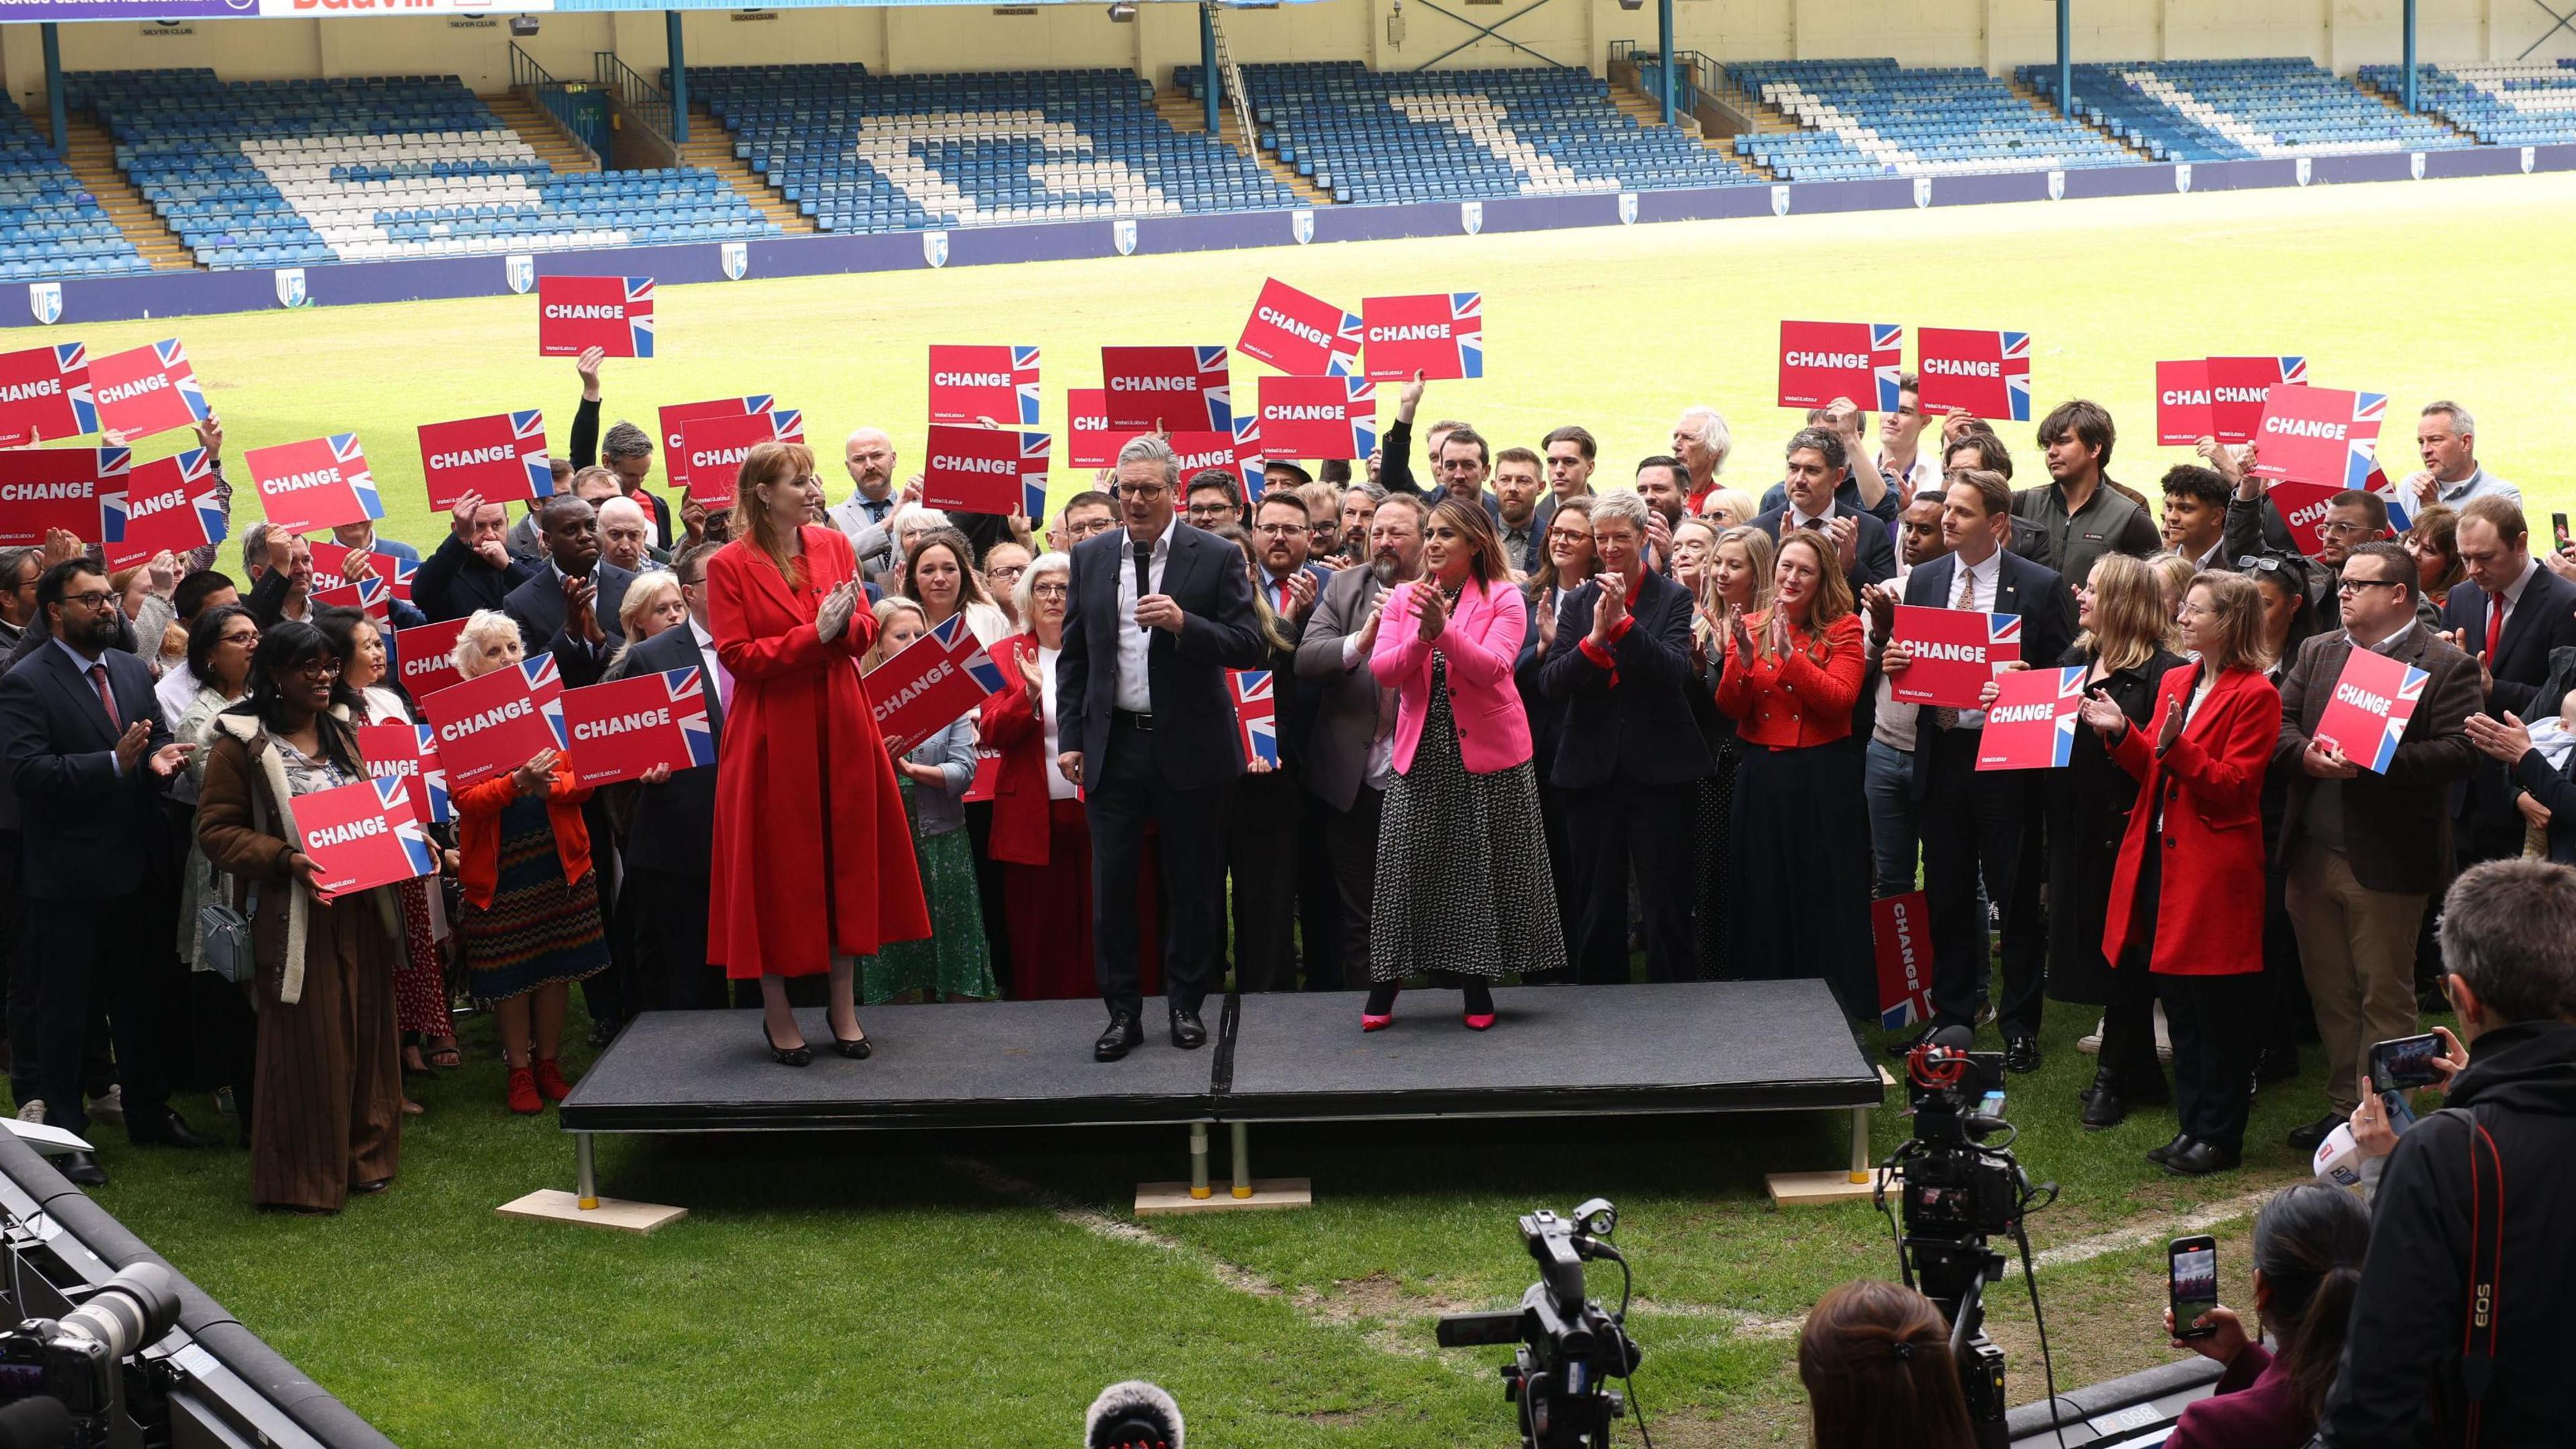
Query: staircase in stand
column 93, row 160
column 1189, row 116
column 2040, row 104
column 544, row 134
column 710, row 145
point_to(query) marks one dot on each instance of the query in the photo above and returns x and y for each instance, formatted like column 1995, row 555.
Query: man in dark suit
column 569, row 608
column 1349, row 755
column 1281, row 872
column 472, row 567
column 90, row 757
column 1159, row 611
column 2365, row 851
column 1982, row 826
column 1815, row 468
column 1629, row 750
column 2507, row 614
column 665, row 863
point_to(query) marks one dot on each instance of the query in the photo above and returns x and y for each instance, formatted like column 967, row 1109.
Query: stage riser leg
column 585, row 1206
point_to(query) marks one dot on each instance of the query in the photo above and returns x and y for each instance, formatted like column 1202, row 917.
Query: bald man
column 626, row 536
column 869, row 456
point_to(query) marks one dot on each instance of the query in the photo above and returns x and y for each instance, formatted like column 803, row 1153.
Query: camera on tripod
column 1567, row 1346
column 78, row 1360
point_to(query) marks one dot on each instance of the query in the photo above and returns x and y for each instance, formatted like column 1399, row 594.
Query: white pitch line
column 2084, row 1250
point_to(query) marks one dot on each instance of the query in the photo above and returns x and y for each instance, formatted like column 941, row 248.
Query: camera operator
column 1876, row 1360
column 2460, row 1313
column 2308, row 1246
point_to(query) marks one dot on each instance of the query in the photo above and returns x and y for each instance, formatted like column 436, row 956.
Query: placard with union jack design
column 146, row 390
column 1821, row 361
column 2238, row 388
column 708, row 462
column 2320, row 435
column 929, row 684
column 369, row 596
column 993, row 386
column 1436, row 334
column 399, row 749
column 363, row 835
column 626, row 728
column 1256, row 714
column 985, row 470
column 424, row 657
column 1177, row 389
column 1953, row 653
column 1089, row 441
column 170, row 503
column 1247, row 454
column 2366, row 715
column 1318, row 417
column 331, row 561
column 1301, row 334
column 1983, row 374
column 498, row 721
column 613, row 314
column 45, row 395
column 501, row 457
column 1901, row 928
column 81, row 490
column 317, row 483
column 2031, row 724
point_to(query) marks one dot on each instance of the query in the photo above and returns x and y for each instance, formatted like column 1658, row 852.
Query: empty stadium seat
column 2233, row 110
column 51, row 228
column 1868, row 118
column 294, row 172
column 2520, row 103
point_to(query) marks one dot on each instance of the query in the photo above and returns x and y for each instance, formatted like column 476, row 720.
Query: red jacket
column 2209, row 917
column 478, row 830
column 1010, row 724
column 1793, row 702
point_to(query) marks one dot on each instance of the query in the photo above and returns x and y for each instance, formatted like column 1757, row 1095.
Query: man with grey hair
column 1359, row 505
column 627, row 452
column 1158, row 612
column 1701, row 441
column 2447, row 437
column 2451, row 1322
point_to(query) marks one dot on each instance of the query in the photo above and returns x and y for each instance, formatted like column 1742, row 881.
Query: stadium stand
column 2234, row 110
column 1865, row 118
column 50, row 225
column 873, row 153
column 286, row 173
column 2526, row 103
column 1371, row 136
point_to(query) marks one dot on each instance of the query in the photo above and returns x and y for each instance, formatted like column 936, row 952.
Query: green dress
column 955, row 961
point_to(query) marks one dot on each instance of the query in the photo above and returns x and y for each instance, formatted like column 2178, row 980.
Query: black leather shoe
column 370, row 1187
column 2157, row 1155
column 799, row 1055
column 2104, row 1108
column 2306, row 1138
column 172, row 1131
column 1124, row 1035
column 1187, row 1032
column 2021, row 1054
column 84, row 1170
column 2199, row 1159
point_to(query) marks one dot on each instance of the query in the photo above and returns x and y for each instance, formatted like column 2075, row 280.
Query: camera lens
column 129, row 1311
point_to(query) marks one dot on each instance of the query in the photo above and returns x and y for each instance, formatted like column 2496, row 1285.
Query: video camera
column 63, row 1378
column 1567, row 1344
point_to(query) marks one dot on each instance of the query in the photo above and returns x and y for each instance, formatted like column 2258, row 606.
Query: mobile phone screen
column 2195, row 1284
column 2403, row 1063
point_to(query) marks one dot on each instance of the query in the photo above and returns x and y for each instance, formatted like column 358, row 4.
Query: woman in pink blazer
column 1460, row 895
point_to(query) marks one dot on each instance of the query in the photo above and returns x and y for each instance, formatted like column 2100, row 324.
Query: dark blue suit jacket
column 675, row 823
column 87, row 831
column 1874, row 550
column 2545, row 619
column 2031, row 590
column 538, row 606
column 453, row 582
column 1196, row 742
column 1296, row 700
column 1640, row 730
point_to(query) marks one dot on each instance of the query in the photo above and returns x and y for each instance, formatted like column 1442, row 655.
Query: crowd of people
column 1530, row 726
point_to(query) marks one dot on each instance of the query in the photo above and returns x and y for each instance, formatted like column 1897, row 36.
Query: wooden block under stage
column 1157, row 1198
column 1810, row 1189
column 554, row 1205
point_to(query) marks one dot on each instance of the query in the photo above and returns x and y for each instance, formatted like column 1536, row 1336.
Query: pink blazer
column 1481, row 641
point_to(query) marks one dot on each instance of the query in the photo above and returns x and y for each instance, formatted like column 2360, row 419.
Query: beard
column 99, row 633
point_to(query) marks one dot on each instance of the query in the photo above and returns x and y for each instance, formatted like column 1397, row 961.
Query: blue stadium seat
column 50, row 225
column 1872, row 118
column 2520, row 103
column 2233, row 110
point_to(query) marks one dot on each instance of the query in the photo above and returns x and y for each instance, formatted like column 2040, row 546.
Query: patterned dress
column 955, row 960
column 420, row 982
column 540, row 928
column 1460, row 891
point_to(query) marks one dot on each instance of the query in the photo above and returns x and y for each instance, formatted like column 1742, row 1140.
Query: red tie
column 106, row 698
column 2495, row 627
column 1283, row 596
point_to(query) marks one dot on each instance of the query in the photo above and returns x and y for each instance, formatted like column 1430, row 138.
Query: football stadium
column 446, row 445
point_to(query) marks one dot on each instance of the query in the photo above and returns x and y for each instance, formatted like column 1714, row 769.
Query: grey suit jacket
column 1337, row 747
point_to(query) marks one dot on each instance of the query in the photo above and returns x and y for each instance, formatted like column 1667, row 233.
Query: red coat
column 813, row 855
column 1011, row 724
column 478, row 830
column 2209, row 918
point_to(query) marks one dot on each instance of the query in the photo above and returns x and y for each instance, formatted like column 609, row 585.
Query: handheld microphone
column 1132, row 1415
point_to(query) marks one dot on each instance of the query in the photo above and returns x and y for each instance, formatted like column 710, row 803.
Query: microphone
column 1130, row 1415
column 37, row 1423
column 1957, row 1038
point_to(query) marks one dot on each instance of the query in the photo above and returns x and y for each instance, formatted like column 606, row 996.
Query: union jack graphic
column 114, row 464
column 408, row 831
column 1035, row 450
column 2410, row 693
column 2070, row 693
column 979, row 666
column 545, row 686
column 2401, row 516
column 1346, row 348
column 2294, row 370
column 193, row 471
column 529, row 428
column 1024, row 377
column 1247, row 453
column 949, row 630
column 1887, row 361
column 1467, row 325
column 2369, row 411
column 369, row 593
column 639, row 314
column 2004, row 629
column 1216, row 385
column 433, row 775
column 183, row 377
column 1256, row 713
column 353, row 471
column 688, row 694
column 2016, row 360
column 1363, row 417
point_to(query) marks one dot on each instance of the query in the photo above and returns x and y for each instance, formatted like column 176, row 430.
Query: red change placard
column 1089, row 441
column 1437, row 334
column 1202, row 450
column 45, row 395
column 625, row 729
column 985, row 470
column 501, row 457
column 170, row 503
column 1984, row 374
column 1178, row 389
column 1318, row 417
column 363, row 835
column 401, row 750
column 1901, row 927
column 2373, row 699
column 318, row 483
column 2303, row 509
column 1299, row 334
column 1821, row 361
column 368, row 596
column 2238, row 388
column 81, row 490
column 996, row 386
column 497, row 721
column 2319, row 435
column 613, row 314
column 1954, row 652
column 2031, row 724
column 2182, row 403
column 424, row 657
column 331, row 561
column 146, row 390
column 929, row 683
column 711, row 450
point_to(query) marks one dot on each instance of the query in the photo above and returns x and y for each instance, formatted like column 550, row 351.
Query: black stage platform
column 1749, row 1046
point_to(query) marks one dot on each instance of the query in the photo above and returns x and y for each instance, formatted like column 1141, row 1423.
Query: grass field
column 980, row 1289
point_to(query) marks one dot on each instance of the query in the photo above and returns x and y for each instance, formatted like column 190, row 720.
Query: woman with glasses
column 326, row 1105
column 2289, row 619
column 2433, row 541
column 1004, row 562
column 1565, row 568
column 220, row 645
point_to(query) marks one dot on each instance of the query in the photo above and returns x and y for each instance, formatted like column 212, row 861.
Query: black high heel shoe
column 856, row 1048
column 795, row 1056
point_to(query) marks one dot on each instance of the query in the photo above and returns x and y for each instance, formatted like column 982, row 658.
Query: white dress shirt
column 2512, row 597
column 1981, row 599
column 1058, row 787
column 1135, row 687
column 717, row 677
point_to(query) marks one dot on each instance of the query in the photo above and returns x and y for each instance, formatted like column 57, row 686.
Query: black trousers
column 988, row 894
column 1350, row 838
column 1134, row 788
column 2213, row 1020
column 604, row 993
column 1319, row 900
column 1619, row 828
column 1981, row 827
column 116, row 954
column 1261, row 857
column 671, row 970
column 2287, row 1016
column 1566, row 875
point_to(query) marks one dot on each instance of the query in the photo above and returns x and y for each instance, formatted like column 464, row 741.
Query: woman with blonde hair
column 653, row 603
column 2174, row 574
column 953, row 962
column 1728, row 508
column 813, row 859
column 1735, row 578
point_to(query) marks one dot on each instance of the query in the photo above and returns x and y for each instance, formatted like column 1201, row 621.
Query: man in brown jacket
column 2365, row 851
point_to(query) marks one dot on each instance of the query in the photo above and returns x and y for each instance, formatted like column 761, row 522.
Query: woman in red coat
column 813, row 863
column 2186, row 901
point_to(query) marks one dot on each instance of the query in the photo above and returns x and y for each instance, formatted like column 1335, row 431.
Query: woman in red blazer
column 2185, row 899
column 1463, row 890
column 813, row 863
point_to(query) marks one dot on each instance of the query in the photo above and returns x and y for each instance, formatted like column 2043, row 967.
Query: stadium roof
column 149, row 10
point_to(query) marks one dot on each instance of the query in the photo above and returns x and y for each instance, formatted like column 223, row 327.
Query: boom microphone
column 1132, row 1415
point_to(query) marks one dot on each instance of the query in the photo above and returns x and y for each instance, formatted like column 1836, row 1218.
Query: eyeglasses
column 1141, row 492
column 1006, row 571
column 247, row 638
column 322, row 666
column 2342, row 529
column 97, row 600
column 2258, row 563
column 1282, row 530
column 2348, row 584
column 1050, row 591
